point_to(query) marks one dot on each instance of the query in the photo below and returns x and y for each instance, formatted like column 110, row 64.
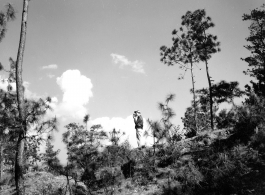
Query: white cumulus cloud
column 136, row 66
column 51, row 66
column 77, row 90
column 29, row 94
column 76, row 87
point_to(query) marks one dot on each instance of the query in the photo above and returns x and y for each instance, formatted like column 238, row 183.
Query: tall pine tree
column 184, row 53
column 19, row 163
column 50, row 159
column 206, row 44
column 256, row 40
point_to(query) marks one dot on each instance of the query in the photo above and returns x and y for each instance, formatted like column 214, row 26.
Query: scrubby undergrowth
column 206, row 164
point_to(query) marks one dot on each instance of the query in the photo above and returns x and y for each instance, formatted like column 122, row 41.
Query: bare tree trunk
column 210, row 93
column 1, row 159
column 154, row 148
column 68, row 184
column 194, row 98
column 19, row 163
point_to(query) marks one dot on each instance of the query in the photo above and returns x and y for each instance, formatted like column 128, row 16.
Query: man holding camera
column 138, row 120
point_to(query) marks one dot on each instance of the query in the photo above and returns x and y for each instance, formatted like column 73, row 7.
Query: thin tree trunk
column 19, row 163
column 1, row 159
column 210, row 84
column 68, row 184
column 154, row 142
column 194, row 98
column 154, row 148
column 210, row 93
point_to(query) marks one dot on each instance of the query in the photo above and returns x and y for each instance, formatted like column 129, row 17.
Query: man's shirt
column 139, row 122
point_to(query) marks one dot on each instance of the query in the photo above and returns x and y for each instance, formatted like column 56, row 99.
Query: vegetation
column 183, row 53
column 192, row 47
column 222, row 151
column 256, row 46
column 206, row 44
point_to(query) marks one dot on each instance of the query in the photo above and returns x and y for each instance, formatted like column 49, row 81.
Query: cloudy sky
column 101, row 57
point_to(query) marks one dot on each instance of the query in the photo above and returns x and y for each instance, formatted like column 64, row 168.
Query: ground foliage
column 224, row 161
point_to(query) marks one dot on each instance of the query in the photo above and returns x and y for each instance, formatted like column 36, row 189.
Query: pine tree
column 8, row 117
column 221, row 92
column 183, row 53
column 5, row 17
column 256, row 61
column 206, row 44
column 83, row 155
column 19, row 164
column 50, row 158
column 115, row 136
column 5, row 106
column 163, row 129
column 10, row 122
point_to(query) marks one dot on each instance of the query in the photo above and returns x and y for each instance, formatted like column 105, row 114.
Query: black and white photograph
column 132, row 97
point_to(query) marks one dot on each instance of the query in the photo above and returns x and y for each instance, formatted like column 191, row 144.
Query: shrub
column 110, row 176
column 222, row 170
column 7, row 179
column 189, row 175
column 258, row 139
column 44, row 183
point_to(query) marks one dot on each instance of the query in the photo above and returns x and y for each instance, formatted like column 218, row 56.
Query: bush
column 189, row 175
column 110, row 176
column 44, row 183
column 250, row 116
column 258, row 139
column 7, row 179
column 223, row 170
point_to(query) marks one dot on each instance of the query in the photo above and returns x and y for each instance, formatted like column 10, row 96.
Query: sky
column 102, row 57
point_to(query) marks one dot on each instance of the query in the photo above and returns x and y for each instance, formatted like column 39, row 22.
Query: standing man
column 138, row 120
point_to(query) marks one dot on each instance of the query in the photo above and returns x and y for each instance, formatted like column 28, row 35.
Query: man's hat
column 137, row 111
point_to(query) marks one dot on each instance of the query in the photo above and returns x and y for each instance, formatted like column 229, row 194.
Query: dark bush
column 128, row 168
